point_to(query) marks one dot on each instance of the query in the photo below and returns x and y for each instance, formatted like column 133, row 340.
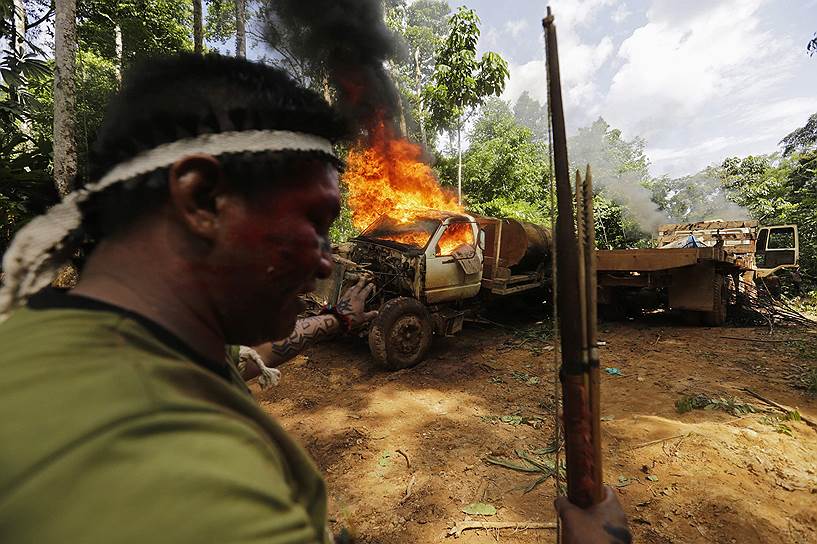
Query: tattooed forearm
column 307, row 331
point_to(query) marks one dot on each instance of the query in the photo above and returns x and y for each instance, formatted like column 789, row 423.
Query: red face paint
column 271, row 248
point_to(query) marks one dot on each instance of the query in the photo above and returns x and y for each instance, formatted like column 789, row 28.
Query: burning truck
column 432, row 263
column 434, row 269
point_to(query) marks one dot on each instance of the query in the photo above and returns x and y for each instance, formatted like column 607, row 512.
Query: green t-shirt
column 113, row 430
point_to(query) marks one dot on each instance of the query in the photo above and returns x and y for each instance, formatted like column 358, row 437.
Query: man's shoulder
column 70, row 374
column 97, row 408
column 167, row 476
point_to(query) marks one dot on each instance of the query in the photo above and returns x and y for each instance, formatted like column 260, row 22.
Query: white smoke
column 619, row 171
column 701, row 197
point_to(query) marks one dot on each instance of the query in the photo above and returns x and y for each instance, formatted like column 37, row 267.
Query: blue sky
column 699, row 80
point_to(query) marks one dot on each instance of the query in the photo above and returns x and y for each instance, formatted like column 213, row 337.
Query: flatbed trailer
column 697, row 281
column 697, row 270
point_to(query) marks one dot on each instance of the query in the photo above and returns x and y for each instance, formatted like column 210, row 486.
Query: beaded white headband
column 46, row 243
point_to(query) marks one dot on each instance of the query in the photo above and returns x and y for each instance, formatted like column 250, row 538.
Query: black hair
column 189, row 95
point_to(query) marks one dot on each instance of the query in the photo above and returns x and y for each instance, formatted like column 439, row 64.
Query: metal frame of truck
column 699, row 280
column 420, row 292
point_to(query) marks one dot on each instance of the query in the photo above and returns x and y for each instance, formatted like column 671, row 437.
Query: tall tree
column 286, row 42
column 422, row 25
column 779, row 190
column 801, row 139
column 621, row 176
column 530, row 113
column 19, row 38
column 149, row 28
column 65, row 46
column 240, row 28
column 460, row 82
column 504, row 167
column 198, row 29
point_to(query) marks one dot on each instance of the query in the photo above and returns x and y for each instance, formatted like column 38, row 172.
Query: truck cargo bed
column 652, row 260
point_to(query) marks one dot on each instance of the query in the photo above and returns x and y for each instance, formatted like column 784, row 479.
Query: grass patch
column 730, row 405
column 536, row 337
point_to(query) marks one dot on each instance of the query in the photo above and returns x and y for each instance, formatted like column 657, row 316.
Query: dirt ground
column 404, row 452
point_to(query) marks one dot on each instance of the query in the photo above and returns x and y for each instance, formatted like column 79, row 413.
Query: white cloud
column 675, row 66
column 688, row 72
column 700, row 81
column 579, row 62
column 621, row 13
column 516, row 27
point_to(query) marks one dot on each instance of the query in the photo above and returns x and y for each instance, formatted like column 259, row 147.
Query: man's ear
column 194, row 182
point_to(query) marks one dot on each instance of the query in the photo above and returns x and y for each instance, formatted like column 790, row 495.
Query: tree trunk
column 65, row 49
column 459, row 161
column 419, row 90
column 240, row 29
column 403, row 122
column 117, row 36
column 198, row 29
column 19, row 16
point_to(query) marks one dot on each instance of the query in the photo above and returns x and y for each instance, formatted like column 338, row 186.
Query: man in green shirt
column 214, row 186
column 215, row 183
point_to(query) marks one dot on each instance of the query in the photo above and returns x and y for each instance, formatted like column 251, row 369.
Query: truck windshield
column 414, row 233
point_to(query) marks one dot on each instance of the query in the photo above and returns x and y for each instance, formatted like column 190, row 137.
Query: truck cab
column 433, row 256
column 776, row 248
column 454, row 257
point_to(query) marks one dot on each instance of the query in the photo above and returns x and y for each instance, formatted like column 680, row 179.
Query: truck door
column 447, row 279
column 776, row 247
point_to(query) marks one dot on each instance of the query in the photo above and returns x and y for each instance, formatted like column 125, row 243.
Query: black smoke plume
column 349, row 38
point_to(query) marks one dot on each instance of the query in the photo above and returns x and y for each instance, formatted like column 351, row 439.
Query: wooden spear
column 591, row 322
column 583, row 488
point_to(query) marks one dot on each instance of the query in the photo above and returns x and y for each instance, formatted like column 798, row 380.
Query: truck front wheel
column 401, row 334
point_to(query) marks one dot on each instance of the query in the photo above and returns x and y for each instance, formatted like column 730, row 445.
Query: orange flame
column 455, row 235
column 388, row 177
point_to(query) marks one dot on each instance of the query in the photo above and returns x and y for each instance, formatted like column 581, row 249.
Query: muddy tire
column 720, row 289
column 401, row 334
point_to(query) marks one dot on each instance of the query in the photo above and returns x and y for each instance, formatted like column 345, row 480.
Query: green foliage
column 731, row 405
column 96, row 81
column 219, row 24
column 343, row 229
column 503, row 169
column 422, row 25
column 626, row 215
column 150, row 28
column 615, row 228
column 460, row 81
column 699, row 197
column 533, row 115
column 286, row 42
column 801, row 139
column 778, row 190
column 26, row 188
